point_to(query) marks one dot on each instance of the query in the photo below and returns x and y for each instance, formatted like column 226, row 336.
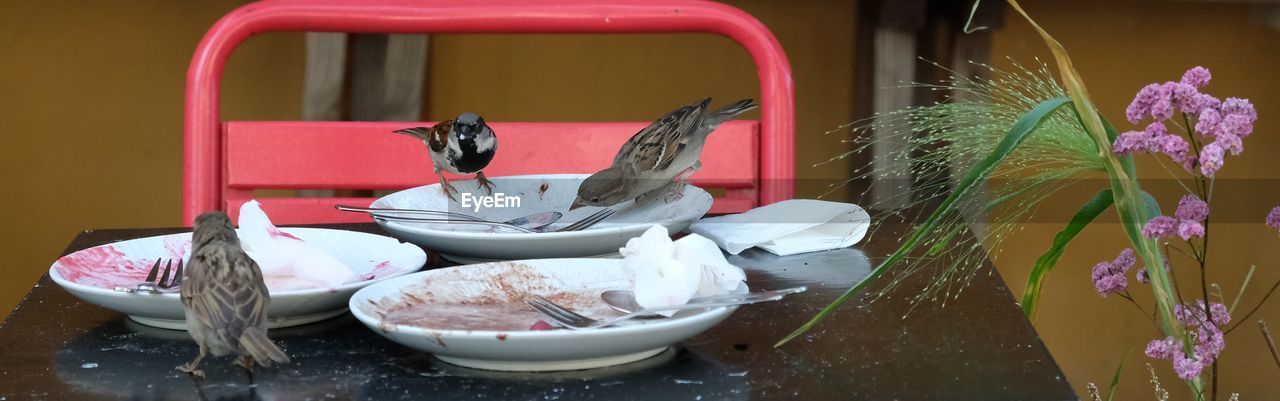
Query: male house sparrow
column 463, row 145
column 225, row 298
column 662, row 155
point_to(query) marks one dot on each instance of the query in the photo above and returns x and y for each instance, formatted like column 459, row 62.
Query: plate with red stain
column 476, row 315
column 296, row 298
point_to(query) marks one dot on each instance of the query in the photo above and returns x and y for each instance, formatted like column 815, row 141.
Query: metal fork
column 567, row 318
column 591, row 220
column 163, row 285
column 579, row 225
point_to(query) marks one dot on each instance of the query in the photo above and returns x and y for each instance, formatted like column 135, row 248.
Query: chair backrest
column 752, row 161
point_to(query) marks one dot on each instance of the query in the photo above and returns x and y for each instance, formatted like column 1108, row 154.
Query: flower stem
column 1151, row 316
column 1255, row 308
column 1271, row 344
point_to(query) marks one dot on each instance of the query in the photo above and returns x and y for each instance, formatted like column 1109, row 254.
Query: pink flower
column 1164, row 349
column 1191, row 163
column 1141, row 103
column 1187, row 97
column 1125, row 260
column 1191, row 207
column 1202, row 103
column 1197, row 76
column 1194, row 315
column 1188, row 229
column 1204, row 334
column 1211, row 159
column 1230, row 142
column 1160, row 226
column 1234, row 105
column 1105, row 281
column 1131, row 142
column 1109, row 277
column 1162, row 106
column 1229, row 121
column 1143, row 276
column 1273, row 218
column 1221, row 315
column 1187, row 368
column 1236, row 124
column 1211, row 345
column 1207, row 122
column 1174, row 146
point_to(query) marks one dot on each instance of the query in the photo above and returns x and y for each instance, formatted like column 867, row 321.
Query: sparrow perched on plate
column 660, row 156
column 463, row 145
column 225, row 298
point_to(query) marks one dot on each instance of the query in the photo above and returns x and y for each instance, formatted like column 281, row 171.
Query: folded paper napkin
column 286, row 261
column 788, row 227
column 667, row 273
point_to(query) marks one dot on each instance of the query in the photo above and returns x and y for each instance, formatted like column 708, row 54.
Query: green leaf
column 1153, row 207
column 946, row 239
column 1017, row 134
column 1124, row 186
column 1115, row 379
column 1091, row 209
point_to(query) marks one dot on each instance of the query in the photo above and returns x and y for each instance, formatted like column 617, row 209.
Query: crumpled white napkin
column 668, row 273
column 788, row 227
column 287, row 262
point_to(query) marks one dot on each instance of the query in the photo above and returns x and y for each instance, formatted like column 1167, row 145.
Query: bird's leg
column 676, row 188
column 246, row 362
column 484, row 182
column 445, row 186
column 193, row 367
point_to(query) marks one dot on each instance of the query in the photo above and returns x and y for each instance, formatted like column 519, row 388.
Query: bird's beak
column 577, row 203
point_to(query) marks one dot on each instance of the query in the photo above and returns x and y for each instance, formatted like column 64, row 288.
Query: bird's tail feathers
column 416, row 132
column 261, row 348
column 730, row 111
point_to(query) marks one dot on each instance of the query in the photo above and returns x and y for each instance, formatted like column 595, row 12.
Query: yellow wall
column 91, row 111
column 1121, row 47
column 92, row 100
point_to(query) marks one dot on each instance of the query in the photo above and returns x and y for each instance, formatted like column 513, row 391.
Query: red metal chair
column 753, row 161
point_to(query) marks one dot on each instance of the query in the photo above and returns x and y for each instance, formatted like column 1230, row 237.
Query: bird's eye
column 595, row 200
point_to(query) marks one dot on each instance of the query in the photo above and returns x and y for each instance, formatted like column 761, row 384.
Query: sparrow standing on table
column 225, row 298
column 463, row 145
column 660, row 156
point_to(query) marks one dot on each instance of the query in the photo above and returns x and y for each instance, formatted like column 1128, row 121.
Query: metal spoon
column 625, row 301
column 530, row 222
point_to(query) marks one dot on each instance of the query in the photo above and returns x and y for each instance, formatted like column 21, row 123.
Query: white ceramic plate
column 92, row 274
column 535, row 193
column 476, row 316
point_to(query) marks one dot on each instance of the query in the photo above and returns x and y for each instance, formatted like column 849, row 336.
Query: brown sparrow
column 660, row 156
column 225, row 298
column 463, row 145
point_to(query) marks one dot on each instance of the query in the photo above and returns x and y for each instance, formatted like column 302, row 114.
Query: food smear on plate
column 288, row 263
column 471, row 300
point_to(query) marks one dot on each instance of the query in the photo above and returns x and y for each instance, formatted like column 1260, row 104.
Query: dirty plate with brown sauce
column 476, row 315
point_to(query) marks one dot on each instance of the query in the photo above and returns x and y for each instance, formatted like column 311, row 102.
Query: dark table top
column 54, row 346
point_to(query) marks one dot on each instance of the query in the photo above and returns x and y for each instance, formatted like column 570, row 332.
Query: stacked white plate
column 517, row 196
